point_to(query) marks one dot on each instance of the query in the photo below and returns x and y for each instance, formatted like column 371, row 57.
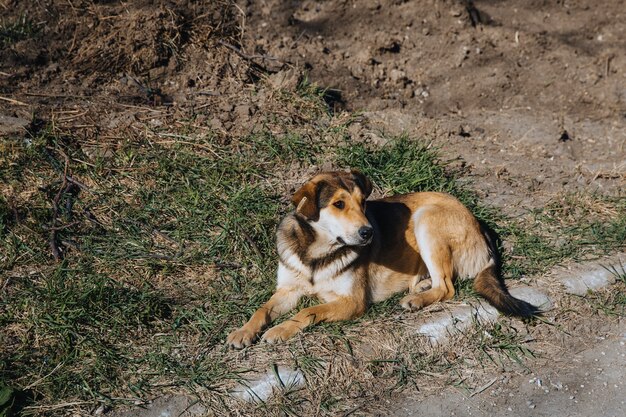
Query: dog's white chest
column 330, row 289
column 327, row 282
column 335, row 279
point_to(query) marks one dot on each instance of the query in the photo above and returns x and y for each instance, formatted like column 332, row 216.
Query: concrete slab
column 261, row 388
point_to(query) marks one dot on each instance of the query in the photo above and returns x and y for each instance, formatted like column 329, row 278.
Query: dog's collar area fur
column 301, row 236
column 339, row 253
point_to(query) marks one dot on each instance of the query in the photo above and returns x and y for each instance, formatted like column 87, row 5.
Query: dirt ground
column 584, row 382
column 527, row 97
column 530, row 96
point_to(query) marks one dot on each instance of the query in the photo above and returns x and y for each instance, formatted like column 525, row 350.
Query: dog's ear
column 362, row 182
column 305, row 200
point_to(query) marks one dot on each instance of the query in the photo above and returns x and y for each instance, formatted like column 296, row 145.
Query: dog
column 350, row 253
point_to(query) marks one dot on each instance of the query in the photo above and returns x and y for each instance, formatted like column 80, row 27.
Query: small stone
column 285, row 80
column 13, row 126
column 243, row 111
column 226, row 107
column 397, row 75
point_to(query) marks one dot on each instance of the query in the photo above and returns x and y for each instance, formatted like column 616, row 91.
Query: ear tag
column 300, row 204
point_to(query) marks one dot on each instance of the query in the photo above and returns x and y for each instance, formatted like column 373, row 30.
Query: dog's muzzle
column 365, row 236
column 366, row 233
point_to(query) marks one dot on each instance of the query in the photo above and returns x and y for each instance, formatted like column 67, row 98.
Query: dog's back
column 424, row 232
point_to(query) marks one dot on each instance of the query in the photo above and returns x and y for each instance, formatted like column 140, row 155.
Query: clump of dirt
column 102, row 68
column 110, row 37
column 134, row 42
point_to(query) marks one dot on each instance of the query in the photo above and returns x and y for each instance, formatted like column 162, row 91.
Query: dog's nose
column 366, row 232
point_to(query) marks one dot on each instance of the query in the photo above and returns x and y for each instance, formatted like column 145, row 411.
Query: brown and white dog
column 349, row 253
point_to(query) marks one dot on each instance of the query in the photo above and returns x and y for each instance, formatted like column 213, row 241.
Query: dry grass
column 168, row 244
column 171, row 246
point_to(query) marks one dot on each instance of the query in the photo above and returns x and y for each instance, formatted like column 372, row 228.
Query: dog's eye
column 339, row 204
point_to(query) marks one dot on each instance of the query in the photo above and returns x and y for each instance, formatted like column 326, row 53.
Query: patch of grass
column 464, row 288
column 120, row 318
column 611, row 301
column 401, row 166
column 408, row 365
column 4, row 215
column 78, row 322
column 500, row 341
column 576, row 226
column 11, row 32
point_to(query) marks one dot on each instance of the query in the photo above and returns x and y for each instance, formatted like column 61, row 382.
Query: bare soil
column 587, row 381
column 530, row 96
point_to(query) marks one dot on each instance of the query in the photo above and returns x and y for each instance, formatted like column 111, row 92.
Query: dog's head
column 334, row 205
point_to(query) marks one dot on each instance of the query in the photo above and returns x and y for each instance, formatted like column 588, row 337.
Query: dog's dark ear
column 305, row 200
column 362, row 182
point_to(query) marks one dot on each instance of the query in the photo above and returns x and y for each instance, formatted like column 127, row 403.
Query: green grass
column 11, row 32
column 499, row 341
column 86, row 328
column 577, row 226
column 611, row 301
column 401, row 166
column 120, row 318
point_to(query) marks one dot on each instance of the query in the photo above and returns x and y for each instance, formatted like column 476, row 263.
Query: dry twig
column 246, row 56
column 13, row 101
column 68, row 186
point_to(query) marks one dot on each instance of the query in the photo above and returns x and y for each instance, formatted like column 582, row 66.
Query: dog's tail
column 490, row 284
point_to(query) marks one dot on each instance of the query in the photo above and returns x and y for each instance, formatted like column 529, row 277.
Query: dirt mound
column 96, row 60
column 135, row 42
column 530, row 95
column 112, row 36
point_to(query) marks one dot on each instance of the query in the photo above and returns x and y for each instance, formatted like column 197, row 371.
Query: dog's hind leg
column 438, row 259
column 421, row 282
column 283, row 301
column 421, row 285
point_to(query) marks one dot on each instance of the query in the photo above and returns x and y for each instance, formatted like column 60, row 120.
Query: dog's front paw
column 412, row 302
column 240, row 338
column 278, row 334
